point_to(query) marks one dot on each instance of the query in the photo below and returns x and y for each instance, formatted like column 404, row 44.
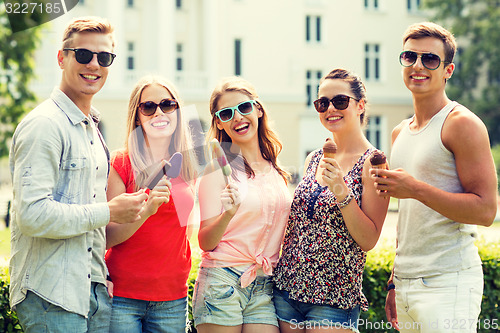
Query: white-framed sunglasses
column 244, row 108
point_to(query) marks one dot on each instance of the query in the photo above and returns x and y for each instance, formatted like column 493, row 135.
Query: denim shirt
column 55, row 217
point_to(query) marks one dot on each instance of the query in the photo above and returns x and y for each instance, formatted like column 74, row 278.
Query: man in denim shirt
column 59, row 165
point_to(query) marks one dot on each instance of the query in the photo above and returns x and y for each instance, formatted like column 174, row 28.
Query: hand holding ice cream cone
column 379, row 161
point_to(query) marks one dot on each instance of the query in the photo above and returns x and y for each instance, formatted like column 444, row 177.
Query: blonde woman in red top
column 149, row 261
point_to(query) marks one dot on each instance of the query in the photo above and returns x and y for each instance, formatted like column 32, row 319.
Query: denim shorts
column 219, row 299
column 134, row 315
column 300, row 315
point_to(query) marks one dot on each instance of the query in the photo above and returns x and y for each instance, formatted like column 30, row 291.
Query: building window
column 130, row 56
column 414, row 5
column 178, row 4
column 237, row 57
column 312, row 85
column 372, row 4
column 372, row 62
column 178, row 58
column 313, row 29
column 81, row 2
column 130, row 3
column 375, row 131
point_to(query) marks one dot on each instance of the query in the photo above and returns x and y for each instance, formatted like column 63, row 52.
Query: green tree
column 16, row 71
column 476, row 81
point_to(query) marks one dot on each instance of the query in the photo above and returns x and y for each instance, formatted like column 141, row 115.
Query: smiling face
column 82, row 81
column 159, row 125
column 242, row 128
column 420, row 80
column 334, row 119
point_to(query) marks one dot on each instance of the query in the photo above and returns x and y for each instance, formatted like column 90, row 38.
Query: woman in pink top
column 243, row 222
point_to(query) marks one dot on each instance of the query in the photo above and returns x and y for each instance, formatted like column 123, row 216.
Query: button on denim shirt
column 54, row 213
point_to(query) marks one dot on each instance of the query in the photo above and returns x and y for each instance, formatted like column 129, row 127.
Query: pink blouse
column 254, row 235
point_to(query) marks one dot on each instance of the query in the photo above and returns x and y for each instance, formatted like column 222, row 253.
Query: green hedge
column 378, row 267
column 8, row 318
column 377, row 271
column 490, row 307
column 495, row 151
column 191, row 280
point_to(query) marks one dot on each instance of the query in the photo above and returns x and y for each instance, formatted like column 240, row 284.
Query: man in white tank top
column 444, row 177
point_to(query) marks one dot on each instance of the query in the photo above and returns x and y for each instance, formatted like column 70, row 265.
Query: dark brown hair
column 430, row 29
column 357, row 87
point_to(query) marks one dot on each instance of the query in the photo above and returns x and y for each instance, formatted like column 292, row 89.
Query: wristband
column 391, row 286
column 346, row 200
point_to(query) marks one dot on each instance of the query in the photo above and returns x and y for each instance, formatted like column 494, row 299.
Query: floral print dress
column 321, row 263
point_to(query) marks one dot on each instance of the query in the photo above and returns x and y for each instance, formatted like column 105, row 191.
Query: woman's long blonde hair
column 270, row 145
column 135, row 143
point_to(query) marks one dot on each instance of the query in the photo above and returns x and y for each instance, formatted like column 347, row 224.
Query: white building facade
column 283, row 47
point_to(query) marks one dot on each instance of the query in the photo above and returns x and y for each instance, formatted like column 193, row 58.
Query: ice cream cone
column 378, row 160
column 329, row 148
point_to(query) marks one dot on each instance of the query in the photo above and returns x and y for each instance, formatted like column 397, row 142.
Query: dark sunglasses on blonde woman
column 340, row 102
column 166, row 105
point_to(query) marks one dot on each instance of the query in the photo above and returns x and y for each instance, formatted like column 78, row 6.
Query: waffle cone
column 380, row 166
column 329, row 154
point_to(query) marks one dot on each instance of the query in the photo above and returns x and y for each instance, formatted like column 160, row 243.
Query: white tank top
column 429, row 243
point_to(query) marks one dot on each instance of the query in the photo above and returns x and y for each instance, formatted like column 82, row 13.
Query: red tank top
column 154, row 263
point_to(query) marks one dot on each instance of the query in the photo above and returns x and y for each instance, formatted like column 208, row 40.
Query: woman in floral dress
column 336, row 217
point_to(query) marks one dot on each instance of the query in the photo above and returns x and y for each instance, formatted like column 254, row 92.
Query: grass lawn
column 4, row 242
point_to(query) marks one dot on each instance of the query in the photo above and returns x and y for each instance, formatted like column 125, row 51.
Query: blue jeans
column 134, row 316
column 36, row 315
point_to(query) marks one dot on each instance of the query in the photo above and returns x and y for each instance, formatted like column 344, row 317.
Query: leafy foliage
column 476, row 81
column 377, row 272
column 16, row 71
column 8, row 318
column 495, row 151
column 195, row 264
column 490, row 307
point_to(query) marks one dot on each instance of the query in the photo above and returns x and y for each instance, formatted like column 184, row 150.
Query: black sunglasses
column 340, row 102
column 244, row 108
column 84, row 56
column 429, row 60
column 166, row 105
